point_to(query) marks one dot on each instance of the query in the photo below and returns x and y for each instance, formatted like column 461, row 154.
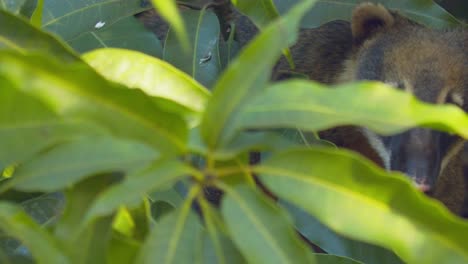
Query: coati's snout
column 417, row 153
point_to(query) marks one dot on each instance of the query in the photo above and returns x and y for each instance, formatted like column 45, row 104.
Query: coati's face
column 432, row 65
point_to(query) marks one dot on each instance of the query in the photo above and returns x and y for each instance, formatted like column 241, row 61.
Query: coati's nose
column 416, row 153
column 419, row 171
column 423, row 187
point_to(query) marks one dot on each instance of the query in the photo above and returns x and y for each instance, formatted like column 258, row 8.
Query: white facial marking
column 456, row 147
column 408, row 86
column 457, row 98
column 378, row 145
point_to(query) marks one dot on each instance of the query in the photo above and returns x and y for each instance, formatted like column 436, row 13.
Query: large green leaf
column 174, row 238
column 312, row 106
column 20, row 142
column 336, row 244
column 423, row 11
column 356, row 198
column 27, row 126
column 70, row 19
column 17, row 34
column 168, row 10
column 76, row 91
column 43, row 247
column 203, row 60
column 70, row 162
column 262, row 232
column 136, row 185
column 154, row 76
column 248, row 74
column 126, row 33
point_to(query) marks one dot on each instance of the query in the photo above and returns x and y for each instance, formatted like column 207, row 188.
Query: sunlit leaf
column 355, row 198
column 154, row 76
column 312, row 106
column 76, row 91
column 336, row 244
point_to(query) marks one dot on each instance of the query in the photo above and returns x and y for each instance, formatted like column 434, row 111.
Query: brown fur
column 383, row 45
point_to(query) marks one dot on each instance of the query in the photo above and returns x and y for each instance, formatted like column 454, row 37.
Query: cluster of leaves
column 120, row 144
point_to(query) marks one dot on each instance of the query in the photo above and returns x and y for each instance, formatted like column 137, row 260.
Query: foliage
column 106, row 156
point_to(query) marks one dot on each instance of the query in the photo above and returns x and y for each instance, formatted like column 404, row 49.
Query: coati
column 379, row 44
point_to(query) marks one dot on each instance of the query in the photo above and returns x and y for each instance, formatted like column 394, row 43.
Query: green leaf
column 154, row 76
column 330, row 259
column 423, row 11
column 18, row 7
column 45, row 208
column 247, row 75
column 168, row 10
column 19, row 108
column 70, row 162
column 203, row 60
column 207, row 253
column 126, row 33
column 336, row 244
column 36, row 18
column 261, row 12
column 43, row 247
column 262, row 232
column 70, row 19
column 17, row 34
column 27, row 126
column 131, row 191
column 218, row 248
column 357, row 199
column 174, row 237
column 76, row 91
column 312, row 106
column 94, row 239
column 20, row 142
column 122, row 250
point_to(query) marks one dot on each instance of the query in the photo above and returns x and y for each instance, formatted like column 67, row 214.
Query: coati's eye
column 455, row 98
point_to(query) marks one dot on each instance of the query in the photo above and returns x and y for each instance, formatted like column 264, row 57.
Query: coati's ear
column 368, row 19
